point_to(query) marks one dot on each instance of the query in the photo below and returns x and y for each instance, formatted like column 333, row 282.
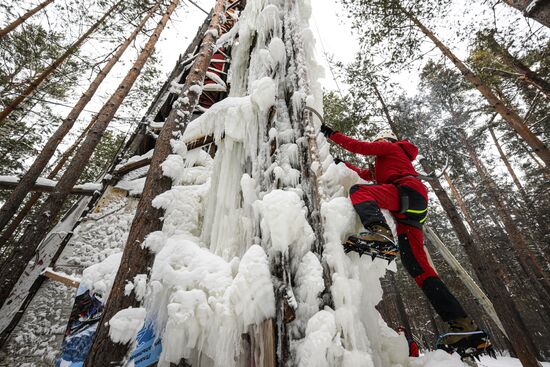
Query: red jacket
column 393, row 160
column 413, row 349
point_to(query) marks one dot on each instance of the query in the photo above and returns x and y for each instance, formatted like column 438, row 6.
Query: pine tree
column 488, row 271
column 17, row 22
column 538, row 10
column 35, row 83
column 24, row 53
column 29, row 241
column 25, row 184
column 397, row 22
column 135, row 258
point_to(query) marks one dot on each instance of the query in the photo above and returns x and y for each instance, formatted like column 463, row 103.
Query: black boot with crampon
column 376, row 241
column 466, row 339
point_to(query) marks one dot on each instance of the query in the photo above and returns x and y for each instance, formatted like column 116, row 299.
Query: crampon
column 470, row 348
column 382, row 250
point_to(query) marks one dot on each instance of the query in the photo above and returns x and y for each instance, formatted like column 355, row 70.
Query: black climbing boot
column 377, row 233
column 466, row 339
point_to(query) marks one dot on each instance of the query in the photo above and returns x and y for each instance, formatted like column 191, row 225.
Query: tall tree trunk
column 50, row 69
column 11, row 228
column 136, row 259
column 528, row 292
column 529, row 211
column 487, row 270
column 509, row 167
column 27, row 244
column 538, row 10
column 526, row 258
column 16, row 23
column 491, row 277
column 403, row 317
column 29, row 178
column 527, row 75
column 509, row 115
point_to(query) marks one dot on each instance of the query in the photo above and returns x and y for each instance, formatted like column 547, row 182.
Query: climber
column 398, row 190
column 413, row 347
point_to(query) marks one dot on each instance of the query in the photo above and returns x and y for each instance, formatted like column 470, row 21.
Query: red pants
column 368, row 200
column 387, row 197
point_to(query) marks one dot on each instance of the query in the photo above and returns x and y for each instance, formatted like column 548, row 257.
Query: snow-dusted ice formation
column 227, row 222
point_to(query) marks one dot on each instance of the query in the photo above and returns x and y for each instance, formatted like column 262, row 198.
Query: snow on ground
column 503, row 362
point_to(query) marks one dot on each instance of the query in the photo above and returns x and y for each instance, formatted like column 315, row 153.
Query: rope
column 326, row 58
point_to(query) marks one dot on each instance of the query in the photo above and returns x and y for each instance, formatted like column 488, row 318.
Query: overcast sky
column 328, row 24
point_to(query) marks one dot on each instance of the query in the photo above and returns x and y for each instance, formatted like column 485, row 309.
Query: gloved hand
column 327, row 131
column 337, row 160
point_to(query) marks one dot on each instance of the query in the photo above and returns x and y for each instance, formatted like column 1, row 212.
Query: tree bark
column 16, row 23
column 29, row 178
column 539, row 10
column 488, row 271
column 491, row 277
column 135, row 259
column 509, row 115
column 526, row 74
column 529, row 211
column 50, row 69
column 526, row 258
column 509, row 167
column 27, row 244
column 11, row 228
column 403, row 317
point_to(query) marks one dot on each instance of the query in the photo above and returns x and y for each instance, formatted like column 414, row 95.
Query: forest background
column 381, row 71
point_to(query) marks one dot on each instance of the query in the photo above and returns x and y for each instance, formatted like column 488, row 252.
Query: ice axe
column 315, row 112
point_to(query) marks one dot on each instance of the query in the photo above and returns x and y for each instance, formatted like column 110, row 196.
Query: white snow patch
column 277, row 50
column 263, row 93
column 213, row 32
column 154, row 241
column 251, row 293
column 199, row 303
column 99, row 278
column 437, row 358
column 284, row 221
column 125, row 324
column 173, row 167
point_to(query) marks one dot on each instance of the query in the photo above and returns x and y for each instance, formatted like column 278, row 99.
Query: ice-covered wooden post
column 137, row 259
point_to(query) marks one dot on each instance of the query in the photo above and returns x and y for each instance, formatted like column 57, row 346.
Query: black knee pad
column 407, row 256
column 442, row 300
column 369, row 213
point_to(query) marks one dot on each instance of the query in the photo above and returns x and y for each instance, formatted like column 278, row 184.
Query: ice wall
column 228, row 219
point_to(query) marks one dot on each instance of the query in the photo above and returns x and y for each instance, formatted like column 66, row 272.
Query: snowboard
column 375, row 249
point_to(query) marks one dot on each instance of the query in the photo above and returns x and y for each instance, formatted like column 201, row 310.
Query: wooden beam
column 70, row 282
column 127, row 168
column 42, row 187
column 269, row 345
column 194, row 144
